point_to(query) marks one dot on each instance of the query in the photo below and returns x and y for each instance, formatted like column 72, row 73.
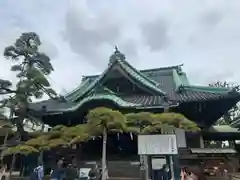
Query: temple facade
column 121, row 86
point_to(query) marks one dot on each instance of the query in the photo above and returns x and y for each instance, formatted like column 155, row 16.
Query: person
column 92, row 174
column 101, row 173
column 4, row 175
column 3, row 168
column 192, row 174
column 38, row 173
column 164, row 173
column 58, row 172
column 71, row 172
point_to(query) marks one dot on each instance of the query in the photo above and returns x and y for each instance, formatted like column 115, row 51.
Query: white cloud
column 79, row 36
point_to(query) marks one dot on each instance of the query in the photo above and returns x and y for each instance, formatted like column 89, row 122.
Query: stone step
column 123, row 169
column 118, row 169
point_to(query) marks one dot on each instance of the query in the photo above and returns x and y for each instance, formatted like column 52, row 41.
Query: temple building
column 121, row 86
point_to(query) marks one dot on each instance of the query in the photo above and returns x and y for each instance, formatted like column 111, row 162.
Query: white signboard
column 157, row 163
column 181, row 138
column 164, row 144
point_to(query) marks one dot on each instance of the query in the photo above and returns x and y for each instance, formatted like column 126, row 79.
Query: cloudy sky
column 79, row 35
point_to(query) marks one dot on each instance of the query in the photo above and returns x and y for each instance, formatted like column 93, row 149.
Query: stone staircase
column 126, row 170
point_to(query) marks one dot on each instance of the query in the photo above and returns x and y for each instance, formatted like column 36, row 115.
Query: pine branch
column 46, row 92
column 7, row 91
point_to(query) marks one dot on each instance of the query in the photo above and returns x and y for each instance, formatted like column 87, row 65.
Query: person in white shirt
column 38, row 173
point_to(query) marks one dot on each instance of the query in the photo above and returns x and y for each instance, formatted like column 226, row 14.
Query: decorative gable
column 117, row 63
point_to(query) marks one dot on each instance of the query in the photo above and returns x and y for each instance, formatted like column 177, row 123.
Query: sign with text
column 163, row 144
column 181, row 138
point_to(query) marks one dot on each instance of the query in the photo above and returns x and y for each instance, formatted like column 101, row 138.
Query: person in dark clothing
column 58, row 172
column 165, row 173
column 100, row 174
column 157, row 174
column 95, row 172
column 92, row 173
column 71, row 172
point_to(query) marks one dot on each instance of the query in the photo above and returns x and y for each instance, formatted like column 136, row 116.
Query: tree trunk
column 14, row 155
column 12, row 165
column 4, row 146
column 21, row 131
column 40, row 157
column 104, row 154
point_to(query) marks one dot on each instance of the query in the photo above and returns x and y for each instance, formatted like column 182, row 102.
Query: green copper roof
column 181, row 81
column 236, row 122
column 172, row 80
column 56, row 106
column 99, row 89
column 184, row 79
column 85, row 87
column 112, row 98
column 208, row 89
column 177, row 79
column 161, row 77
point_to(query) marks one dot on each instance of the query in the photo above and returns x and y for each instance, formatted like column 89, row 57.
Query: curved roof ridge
column 207, row 89
column 82, row 84
column 162, row 68
column 117, row 100
column 235, row 122
column 142, row 70
column 91, row 85
column 141, row 74
column 82, row 90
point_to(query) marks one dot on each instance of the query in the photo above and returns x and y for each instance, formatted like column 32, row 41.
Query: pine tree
column 32, row 68
column 101, row 121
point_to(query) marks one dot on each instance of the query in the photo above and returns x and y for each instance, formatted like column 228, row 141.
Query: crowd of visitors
column 71, row 172
column 191, row 174
column 61, row 171
column 186, row 174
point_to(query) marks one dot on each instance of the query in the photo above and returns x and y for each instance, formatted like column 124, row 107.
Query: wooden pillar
column 147, row 168
column 142, row 167
column 201, row 141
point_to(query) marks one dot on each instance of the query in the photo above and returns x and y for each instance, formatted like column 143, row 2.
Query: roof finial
column 116, row 50
column 116, row 56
